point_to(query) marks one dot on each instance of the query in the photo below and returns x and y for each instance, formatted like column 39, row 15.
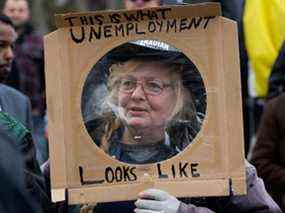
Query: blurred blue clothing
column 29, row 180
column 15, row 129
column 16, row 104
column 14, row 197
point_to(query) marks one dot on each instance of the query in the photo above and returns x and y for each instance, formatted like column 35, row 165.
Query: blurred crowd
column 23, row 114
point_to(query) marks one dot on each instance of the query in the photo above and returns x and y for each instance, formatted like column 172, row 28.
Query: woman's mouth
column 136, row 111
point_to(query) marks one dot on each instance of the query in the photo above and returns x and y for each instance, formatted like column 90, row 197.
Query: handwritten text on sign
column 123, row 174
column 124, row 24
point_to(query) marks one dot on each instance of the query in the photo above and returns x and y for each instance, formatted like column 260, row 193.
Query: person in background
column 139, row 4
column 268, row 152
column 264, row 17
column 277, row 75
column 27, row 188
column 27, row 73
column 14, row 197
column 11, row 101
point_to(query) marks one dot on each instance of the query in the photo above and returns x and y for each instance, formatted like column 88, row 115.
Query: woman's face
column 146, row 96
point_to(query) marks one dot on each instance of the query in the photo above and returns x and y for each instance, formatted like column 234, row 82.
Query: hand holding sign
column 155, row 200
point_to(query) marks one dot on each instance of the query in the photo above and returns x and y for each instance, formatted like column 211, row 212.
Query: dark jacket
column 124, row 152
column 15, row 126
column 14, row 196
column 277, row 75
column 30, row 178
column 269, row 152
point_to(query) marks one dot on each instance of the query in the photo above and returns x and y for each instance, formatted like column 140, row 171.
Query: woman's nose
column 138, row 93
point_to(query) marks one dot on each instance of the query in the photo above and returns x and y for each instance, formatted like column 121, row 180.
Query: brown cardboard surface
column 216, row 154
column 55, row 113
column 198, row 188
column 234, row 102
column 73, row 19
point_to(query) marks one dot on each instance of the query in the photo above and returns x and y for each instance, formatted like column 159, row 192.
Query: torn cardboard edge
column 58, row 195
column 90, row 194
column 220, row 187
column 121, row 16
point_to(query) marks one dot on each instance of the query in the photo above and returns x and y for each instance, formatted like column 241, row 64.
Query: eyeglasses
column 149, row 86
column 142, row 0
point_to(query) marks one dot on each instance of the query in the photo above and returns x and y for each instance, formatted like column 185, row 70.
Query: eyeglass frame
column 142, row 83
column 143, row 0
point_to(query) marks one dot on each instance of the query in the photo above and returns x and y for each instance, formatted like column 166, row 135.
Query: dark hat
column 148, row 49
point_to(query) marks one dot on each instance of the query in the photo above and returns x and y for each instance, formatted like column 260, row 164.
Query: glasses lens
column 127, row 85
column 140, row 0
column 154, row 87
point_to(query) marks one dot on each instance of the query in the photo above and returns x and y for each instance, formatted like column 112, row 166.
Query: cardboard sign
column 84, row 82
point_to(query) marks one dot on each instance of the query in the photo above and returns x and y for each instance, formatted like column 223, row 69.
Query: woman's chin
column 137, row 123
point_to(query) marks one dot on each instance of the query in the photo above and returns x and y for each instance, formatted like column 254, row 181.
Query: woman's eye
column 128, row 84
column 154, row 86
